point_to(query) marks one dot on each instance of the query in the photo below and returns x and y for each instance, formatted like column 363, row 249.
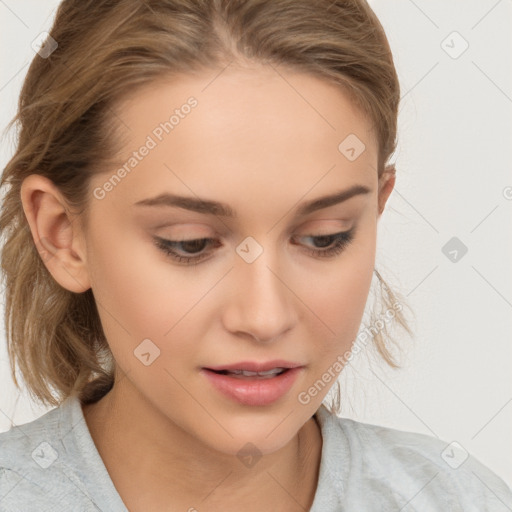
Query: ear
column 55, row 232
column 386, row 185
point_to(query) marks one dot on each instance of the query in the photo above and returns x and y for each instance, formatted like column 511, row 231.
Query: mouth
column 248, row 375
column 251, row 368
column 253, row 387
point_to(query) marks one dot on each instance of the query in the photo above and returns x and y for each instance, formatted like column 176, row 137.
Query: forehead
column 243, row 129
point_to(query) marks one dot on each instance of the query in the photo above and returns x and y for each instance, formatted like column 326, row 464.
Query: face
column 183, row 289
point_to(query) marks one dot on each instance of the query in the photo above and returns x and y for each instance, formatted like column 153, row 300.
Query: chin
column 262, row 433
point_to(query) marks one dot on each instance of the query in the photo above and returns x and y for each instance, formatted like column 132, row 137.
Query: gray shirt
column 52, row 465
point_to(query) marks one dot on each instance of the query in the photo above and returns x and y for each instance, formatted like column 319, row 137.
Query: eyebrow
column 206, row 206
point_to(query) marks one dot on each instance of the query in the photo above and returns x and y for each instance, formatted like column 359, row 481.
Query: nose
column 261, row 306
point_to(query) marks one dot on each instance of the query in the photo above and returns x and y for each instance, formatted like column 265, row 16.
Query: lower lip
column 253, row 391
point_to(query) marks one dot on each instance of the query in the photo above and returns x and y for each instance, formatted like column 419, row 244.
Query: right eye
column 167, row 247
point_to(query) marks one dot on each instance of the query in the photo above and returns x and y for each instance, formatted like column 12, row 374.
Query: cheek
column 338, row 295
column 140, row 295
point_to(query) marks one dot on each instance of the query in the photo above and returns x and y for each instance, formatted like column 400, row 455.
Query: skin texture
column 263, row 142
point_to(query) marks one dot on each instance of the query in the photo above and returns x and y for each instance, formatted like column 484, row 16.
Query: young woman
column 190, row 229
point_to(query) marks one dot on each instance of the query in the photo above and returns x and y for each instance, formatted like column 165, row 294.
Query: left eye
column 331, row 245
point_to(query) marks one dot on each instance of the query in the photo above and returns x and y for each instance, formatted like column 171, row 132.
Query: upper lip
column 255, row 366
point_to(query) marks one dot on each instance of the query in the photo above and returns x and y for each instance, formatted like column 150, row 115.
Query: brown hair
column 67, row 131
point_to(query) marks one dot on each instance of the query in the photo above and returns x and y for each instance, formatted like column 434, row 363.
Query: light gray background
column 453, row 180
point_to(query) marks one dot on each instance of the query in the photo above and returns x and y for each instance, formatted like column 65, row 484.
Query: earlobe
column 55, row 232
column 386, row 185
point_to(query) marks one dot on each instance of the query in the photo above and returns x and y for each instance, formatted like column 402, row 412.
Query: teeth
column 247, row 373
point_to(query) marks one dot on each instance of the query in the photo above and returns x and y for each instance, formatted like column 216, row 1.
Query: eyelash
column 341, row 241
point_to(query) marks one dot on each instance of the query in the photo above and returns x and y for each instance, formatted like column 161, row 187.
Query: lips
column 253, row 390
column 254, row 366
column 248, row 374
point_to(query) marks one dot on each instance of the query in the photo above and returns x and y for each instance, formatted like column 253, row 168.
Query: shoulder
column 417, row 469
column 24, row 449
column 34, row 467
